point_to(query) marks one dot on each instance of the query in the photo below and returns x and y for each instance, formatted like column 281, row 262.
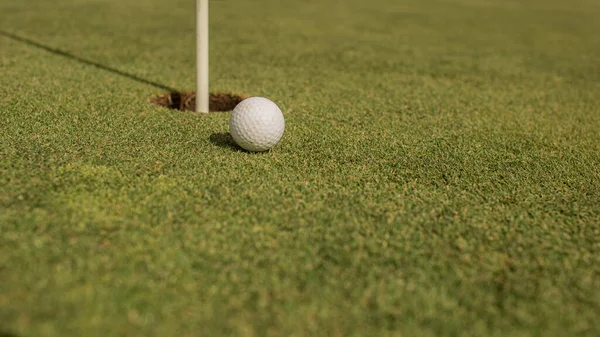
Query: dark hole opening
column 186, row 101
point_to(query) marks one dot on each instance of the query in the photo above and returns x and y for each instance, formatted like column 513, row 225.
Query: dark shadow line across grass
column 84, row 61
column 7, row 334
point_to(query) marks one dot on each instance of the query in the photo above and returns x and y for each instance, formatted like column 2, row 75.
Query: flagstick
column 202, row 56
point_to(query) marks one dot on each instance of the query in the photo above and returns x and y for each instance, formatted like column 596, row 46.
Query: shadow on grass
column 224, row 140
column 82, row 60
column 7, row 334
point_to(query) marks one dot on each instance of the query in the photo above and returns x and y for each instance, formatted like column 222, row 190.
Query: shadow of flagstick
column 84, row 61
column 7, row 334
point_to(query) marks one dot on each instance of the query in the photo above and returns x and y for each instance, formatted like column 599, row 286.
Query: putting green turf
column 439, row 174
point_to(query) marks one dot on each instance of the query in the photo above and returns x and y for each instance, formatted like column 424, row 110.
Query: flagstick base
column 202, row 94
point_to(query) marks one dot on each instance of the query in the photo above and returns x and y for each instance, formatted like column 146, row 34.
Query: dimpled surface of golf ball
column 256, row 124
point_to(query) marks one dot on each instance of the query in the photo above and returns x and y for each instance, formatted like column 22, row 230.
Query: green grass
column 439, row 174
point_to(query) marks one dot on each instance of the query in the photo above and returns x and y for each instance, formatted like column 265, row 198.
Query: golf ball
column 256, row 124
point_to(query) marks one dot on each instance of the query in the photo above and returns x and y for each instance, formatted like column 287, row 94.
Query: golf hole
column 186, row 101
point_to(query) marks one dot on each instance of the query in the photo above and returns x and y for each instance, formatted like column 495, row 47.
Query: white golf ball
column 256, row 124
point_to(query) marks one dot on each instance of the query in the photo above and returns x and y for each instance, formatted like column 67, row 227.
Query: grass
column 439, row 174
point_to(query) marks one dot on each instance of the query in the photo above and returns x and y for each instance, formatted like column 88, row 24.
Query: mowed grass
column 439, row 174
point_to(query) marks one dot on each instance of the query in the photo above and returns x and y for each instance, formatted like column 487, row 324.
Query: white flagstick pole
column 202, row 56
